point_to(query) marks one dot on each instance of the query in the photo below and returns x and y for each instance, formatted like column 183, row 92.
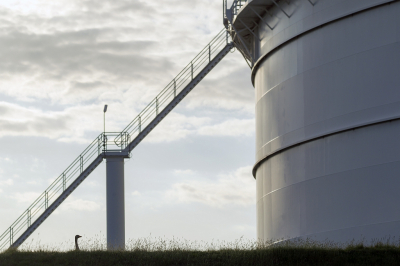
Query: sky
column 62, row 60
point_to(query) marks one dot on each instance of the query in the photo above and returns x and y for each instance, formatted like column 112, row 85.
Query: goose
column 76, row 242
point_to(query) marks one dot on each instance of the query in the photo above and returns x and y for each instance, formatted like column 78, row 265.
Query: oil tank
column 327, row 89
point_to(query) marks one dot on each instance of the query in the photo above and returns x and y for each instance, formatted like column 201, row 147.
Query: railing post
column 174, row 88
column 140, row 124
column 227, row 37
column 104, row 142
column 209, row 53
column 122, row 139
column 64, row 182
column 191, row 65
column 46, row 200
column 29, row 217
column 81, row 163
column 126, row 140
column 11, row 236
column 98, row 146
column 156, row 105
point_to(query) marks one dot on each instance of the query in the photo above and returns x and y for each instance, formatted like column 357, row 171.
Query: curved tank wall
column 327, row 86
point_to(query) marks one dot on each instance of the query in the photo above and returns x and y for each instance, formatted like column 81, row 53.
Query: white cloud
column 91, row 183
column 237, row 188
column 6, row 159
column 232, row 127
column 179, row 126
column 25, row 197
column 136, row 193
column 72, row 124
column 16, row 120
column 87, row 53
column 37, row 165
column 79, row 205
column 183, row 172
column 7, row 182
column 176, row 126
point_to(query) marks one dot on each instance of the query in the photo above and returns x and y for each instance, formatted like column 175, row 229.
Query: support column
column 115, row 203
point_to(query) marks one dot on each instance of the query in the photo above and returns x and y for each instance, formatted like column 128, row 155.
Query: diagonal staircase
column 116, row 143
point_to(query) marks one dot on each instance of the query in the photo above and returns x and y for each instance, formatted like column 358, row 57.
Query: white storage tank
column 327, row 80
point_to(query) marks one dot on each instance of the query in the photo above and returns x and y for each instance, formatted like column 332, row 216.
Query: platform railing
column 237, row 5
column 110, row 144
column 176, row 85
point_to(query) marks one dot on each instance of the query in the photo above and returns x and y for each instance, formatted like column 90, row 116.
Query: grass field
column 142, row 252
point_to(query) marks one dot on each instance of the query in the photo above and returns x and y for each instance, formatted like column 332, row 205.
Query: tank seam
column 325, row 64
column 257, row 164
column 326, row 120
column 317, row 177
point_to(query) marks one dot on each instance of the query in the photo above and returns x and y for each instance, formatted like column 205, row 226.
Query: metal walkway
column 116, row 143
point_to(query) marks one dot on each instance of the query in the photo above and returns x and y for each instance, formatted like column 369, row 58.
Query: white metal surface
column 115, row 203
column 327, row 107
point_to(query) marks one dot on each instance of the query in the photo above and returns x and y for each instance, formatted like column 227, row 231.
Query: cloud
column 183, row 172
column 72, row 124
column 25, row 197
column 232, row 127
column 226, row 87
column 6, row 159
column 235, row 188
column 136, row 193
column 17, row 120
column 76, row 57
column 7, row 182
column 62, row 61
column 180, row 126
column 80, row 205
column 176, row 126
column 61, row 45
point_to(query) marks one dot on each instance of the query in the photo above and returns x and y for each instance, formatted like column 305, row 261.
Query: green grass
column 174, row 252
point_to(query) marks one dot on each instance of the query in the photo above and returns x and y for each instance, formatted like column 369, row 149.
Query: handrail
column 237, row 5
column 175, row 86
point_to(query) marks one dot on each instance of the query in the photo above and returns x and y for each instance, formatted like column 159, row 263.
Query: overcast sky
column 61, row 61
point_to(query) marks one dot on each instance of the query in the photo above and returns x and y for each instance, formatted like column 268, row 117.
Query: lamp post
column 104, row 131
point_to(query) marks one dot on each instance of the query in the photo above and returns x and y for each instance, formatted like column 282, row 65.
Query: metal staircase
column 116, row 143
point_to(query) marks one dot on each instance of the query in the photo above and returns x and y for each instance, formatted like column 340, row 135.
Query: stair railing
column 175, row 86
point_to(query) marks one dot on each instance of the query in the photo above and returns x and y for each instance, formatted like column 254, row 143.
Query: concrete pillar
column 115, row 203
